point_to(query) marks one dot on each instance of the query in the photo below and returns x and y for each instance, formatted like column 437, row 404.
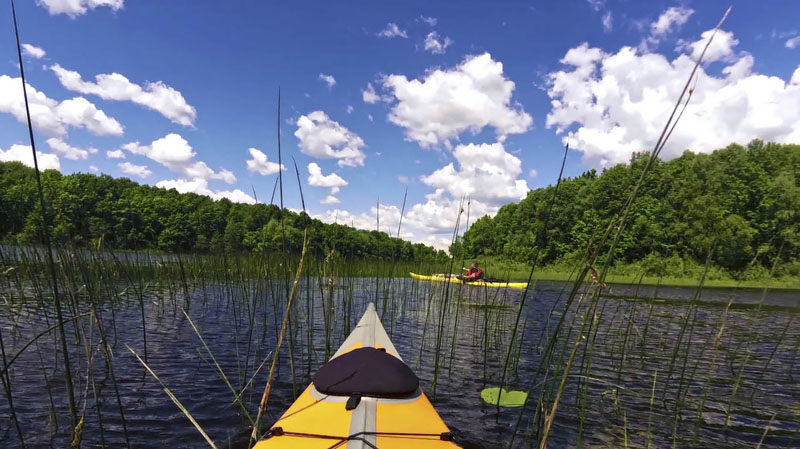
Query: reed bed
column 639, row 372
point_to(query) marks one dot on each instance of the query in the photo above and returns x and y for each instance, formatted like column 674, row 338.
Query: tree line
column 738, row 207
column 117, row 213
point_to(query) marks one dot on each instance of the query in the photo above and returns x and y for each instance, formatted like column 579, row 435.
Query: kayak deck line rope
column 360, row 436
column 316, row 401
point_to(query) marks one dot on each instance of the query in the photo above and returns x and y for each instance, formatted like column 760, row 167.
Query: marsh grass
column 329, row 296
column 623, row 273
column 45, row 231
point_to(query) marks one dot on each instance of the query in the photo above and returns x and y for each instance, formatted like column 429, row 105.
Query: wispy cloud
column 596, row 5
column 429, row 20
column 668, row 21
column 608, row 23
column 392, row 30
column 327, row 79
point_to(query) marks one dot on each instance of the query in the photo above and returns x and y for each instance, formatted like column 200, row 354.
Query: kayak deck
column 453, row 280
column 317, row 420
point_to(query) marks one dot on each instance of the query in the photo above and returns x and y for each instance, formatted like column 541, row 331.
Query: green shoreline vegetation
column 119, row 214
column 632, row 274
column 738, row 207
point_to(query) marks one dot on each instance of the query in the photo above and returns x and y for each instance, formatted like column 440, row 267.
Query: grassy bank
column 689, row 276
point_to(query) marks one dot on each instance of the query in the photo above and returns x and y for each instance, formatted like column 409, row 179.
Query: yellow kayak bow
column 364, row 397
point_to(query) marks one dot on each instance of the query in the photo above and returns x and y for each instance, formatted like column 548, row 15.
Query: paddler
column 473, row 273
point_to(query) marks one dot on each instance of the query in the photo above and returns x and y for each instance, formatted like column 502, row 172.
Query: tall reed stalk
column 175, row 400
column 255, row 434
column 46, row 232
column 6, row 380
column 616, row 229
column 540, row 243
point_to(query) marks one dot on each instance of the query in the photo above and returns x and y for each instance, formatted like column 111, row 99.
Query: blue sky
column 470, row 100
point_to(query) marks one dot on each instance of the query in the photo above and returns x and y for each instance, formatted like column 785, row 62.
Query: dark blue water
column 738, row 365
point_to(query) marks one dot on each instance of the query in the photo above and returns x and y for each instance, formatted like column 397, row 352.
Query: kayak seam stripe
column 364, row 418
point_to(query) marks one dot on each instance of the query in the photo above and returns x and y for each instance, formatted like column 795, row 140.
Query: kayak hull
column 323, row 420
column 454, row 280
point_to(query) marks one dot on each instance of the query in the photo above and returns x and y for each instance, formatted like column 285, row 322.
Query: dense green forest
column 744, row 202
column 121, row 214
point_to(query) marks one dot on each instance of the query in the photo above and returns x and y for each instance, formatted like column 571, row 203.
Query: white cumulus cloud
column 438, row 215
column 436, row 45
column 80, row 113
column 330, row 199
column 486, row 173
column 317, row 179
column 115, row 154
column 23, row 153
column 332, row 181
column 33, row 51
column 720, row 49
column 114, row 86
column 483, row 178
column 795, row 76
column 392, row 30
column 68, row 151
column 609, row 105
column 50, row 116
column 389, row 218
column 200, row 187
column 323, row 138
column 430, row 222
column 793, row 42
column 260, row 164
column 175, row 153
column 75, row 8
column 444, row 103
column 369, row 95
column 134, row 170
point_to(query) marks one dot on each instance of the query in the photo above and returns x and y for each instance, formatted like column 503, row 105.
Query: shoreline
column 670, row 281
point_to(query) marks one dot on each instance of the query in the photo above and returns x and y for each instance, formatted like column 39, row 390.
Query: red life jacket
column 475, row 273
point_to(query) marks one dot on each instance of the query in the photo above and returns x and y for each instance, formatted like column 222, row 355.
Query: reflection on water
column 635, row 344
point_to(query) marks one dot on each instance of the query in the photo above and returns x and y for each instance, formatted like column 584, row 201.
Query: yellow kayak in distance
column 453, row 280
column 364, row 397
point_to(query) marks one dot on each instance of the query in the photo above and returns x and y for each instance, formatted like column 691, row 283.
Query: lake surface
column 734, row 365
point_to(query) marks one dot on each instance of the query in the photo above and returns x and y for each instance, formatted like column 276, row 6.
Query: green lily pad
column 507, row 399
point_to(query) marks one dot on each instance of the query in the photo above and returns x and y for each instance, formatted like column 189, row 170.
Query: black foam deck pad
column 368, row 371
